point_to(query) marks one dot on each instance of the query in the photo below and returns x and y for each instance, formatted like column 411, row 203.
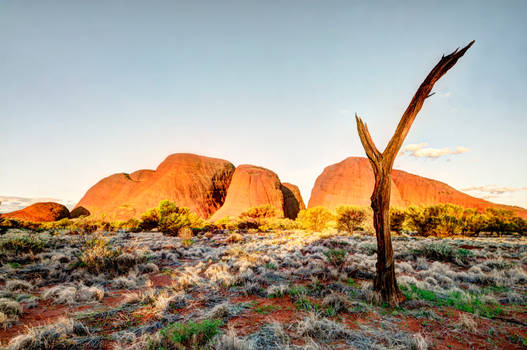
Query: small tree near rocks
column 350, row 218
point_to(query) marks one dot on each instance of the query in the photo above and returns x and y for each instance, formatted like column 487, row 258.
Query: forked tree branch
column 367, row 142
column 415, row 105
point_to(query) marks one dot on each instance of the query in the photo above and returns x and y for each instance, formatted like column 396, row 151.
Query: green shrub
column 350, row 218
column 22, row 245
column 99, row 256
column 306, row 304
column 420, row 220
column 170, row 218
column 226, row 223
column 315, row 219
column 149, row 220
column 336, row 257
column 397, row 219
column 247, row 223
column 269, row 224
column 85, row 225
column 499, row 220
column 441, row 219
column 450, row 219
column 177, row 219
column 473, row 222
column 262, row 211
column 519, row 225
column 131, row 225
column 467, row 302
column 444, row 252
column 190, row 335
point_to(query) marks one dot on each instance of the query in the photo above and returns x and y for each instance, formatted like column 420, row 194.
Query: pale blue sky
column 91, row 88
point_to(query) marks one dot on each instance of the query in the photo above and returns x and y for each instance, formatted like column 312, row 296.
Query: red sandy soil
column 439, row 335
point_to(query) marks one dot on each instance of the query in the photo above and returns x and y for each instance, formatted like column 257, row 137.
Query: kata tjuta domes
column 351, row 181
column 40, row 212
column 253, row 186
column 197, row 182
column 200, row 183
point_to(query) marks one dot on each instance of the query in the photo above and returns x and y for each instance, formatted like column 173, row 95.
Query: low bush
column 260, row 212
column 467, row 302
column 169, row 218
column 350, row 218
column 315, row 219
column 397, row 219
column 22, row 245
column 190, row 335
column 274, row 224
column 99, row 256
column 336, row 257
column 444, row 252
column 226, row 223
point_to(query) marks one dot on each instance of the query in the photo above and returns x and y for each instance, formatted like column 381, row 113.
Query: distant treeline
column 433, row 220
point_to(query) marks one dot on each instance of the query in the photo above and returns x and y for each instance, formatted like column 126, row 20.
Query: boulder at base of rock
column 40, row 212
column 293, row 201
column 251, row 186
column 197, row 182
column 79, row 211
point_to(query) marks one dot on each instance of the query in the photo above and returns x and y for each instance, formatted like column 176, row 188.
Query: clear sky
column 91, row 88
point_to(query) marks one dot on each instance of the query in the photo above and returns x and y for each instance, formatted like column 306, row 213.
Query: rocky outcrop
column 78, row 212
column 293, row 201
column 40, row 212
column 197, row 182
column 251, row 186
column 348, row 182
column 351, row 182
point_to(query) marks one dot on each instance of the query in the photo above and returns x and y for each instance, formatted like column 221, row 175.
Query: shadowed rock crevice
column 293, row 202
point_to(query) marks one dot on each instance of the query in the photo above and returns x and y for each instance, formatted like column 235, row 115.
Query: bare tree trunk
column 385, row 282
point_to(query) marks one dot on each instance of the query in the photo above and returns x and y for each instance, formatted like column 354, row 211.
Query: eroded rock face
column 251, row 186
column 420, row 190
column 348, row 182
column 197, row 182
column 40, row 212
column 293, row 201
column 351, row 182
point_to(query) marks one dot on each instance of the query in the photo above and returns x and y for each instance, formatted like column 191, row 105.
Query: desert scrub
column 262, row 211
column 468, row 302
column 336, row 257
column 306, row 304
column 190, row 335
column 444, row 252
column 9, row 311
column 170, row 218
column 22, row 245
column 99, row 256
column 315, row 219
column 59, row 335
column 350, row 218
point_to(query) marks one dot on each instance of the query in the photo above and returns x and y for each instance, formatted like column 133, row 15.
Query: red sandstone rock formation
column 348, row 182
column 40, row 212
column 251, row 186
column 197, row 182
column 293, row 201
column 351, row 182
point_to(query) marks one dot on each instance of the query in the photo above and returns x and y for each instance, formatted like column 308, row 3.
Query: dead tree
column 382, row 163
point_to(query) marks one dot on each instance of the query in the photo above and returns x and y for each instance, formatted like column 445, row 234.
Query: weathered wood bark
column 385, row 282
